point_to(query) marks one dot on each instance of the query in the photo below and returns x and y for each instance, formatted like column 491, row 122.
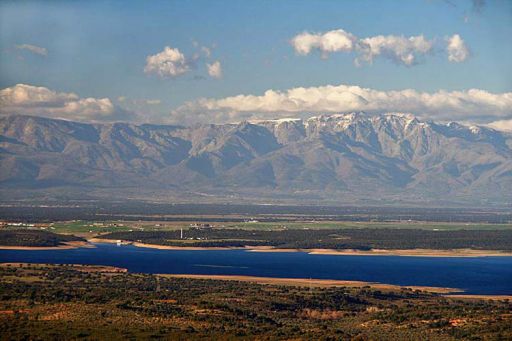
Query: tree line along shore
column 327, row 241
column 365, row 239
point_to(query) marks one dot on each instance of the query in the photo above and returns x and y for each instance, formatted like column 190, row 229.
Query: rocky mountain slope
column 345, row 158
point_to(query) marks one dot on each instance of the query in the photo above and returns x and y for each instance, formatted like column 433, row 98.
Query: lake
column 476, row 275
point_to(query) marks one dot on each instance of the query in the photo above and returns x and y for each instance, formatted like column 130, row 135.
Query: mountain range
column 342, row 158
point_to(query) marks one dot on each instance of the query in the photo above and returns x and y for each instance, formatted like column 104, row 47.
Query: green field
column 355, row 225
column 88, row 227
column 92, row 228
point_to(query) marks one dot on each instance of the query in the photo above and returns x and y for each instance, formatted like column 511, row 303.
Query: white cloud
column 168, row 63
column 331, row 41
column 34, row 49
column 475, row 106
column 397, row 48
column 503, row 125
column 400, row 49
column 457, row 49
column 471, row 105
column 40, row 101
column 214, row 69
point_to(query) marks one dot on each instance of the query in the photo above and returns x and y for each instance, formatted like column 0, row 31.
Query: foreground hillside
column 70, row 302
column 340, row 158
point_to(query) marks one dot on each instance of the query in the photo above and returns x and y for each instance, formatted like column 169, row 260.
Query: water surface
column 476, row 275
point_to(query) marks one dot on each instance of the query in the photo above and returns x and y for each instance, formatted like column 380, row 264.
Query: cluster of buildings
column 7, row 224
column 202, row 225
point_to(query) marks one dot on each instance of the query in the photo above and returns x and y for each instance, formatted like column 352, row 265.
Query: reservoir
column 475, row 275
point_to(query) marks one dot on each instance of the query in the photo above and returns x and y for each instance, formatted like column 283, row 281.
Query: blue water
column 478, row 275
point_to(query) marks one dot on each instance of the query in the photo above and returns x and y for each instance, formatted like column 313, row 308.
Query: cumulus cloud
column 332, row 41
column 34, row 49
column 168, row 63
column 399, row 49
column 457, row 49
column 472, row 105
column 214, row 69
column 40, row 101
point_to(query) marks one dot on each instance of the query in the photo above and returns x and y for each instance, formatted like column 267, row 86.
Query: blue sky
column 99, row 48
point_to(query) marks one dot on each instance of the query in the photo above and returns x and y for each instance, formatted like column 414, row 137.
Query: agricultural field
column 89, row 228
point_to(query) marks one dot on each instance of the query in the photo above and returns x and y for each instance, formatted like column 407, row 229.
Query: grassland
column 91, row 228
column 433, row 226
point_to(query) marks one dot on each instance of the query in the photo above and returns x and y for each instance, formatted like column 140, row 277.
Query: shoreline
column 415, row 252
column 64, row 246
column 189, row 248
column 332, row 252
column 160, row 247
column 319, row 283
column 79, row 267
column 343, row 252
column 479, row 297
column 451, row 293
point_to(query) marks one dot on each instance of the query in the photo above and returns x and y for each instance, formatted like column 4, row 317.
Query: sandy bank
column 346, row 252
column 64, row 246
column 305, row 282
column 157, row 246
column 272, row 249
column 394, row 252
column 168, row 247
column 481, row 297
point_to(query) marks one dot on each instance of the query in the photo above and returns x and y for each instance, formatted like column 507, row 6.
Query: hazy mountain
column 340, row 158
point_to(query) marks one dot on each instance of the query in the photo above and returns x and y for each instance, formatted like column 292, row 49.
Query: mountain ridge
column 341, row 157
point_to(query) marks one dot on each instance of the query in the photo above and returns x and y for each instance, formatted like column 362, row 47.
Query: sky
column 185, row 62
